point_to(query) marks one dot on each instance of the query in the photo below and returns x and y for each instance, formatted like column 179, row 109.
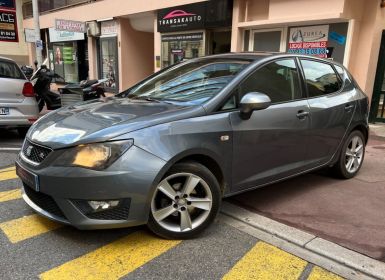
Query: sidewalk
column 350, row 213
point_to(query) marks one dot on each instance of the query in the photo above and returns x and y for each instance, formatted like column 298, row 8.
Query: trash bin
column 71, row 94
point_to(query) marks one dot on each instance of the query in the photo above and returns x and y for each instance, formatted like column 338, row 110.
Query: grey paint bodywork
column 274, row 144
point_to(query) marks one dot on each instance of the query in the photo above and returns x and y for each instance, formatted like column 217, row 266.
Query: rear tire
column 351, row 156
column 185, row 202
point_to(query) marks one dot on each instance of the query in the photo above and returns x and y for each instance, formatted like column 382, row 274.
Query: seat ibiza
column 166, row 151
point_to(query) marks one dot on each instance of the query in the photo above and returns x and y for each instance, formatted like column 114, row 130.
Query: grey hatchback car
column 166, row 151
column 18, row 106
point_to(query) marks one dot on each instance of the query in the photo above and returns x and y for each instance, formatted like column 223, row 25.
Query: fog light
column 103, row 205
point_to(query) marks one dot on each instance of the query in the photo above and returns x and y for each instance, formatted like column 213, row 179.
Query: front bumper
column 65, row 190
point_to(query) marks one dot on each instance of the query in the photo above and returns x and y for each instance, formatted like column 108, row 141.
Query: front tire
column 351, row 156
column 185, row 201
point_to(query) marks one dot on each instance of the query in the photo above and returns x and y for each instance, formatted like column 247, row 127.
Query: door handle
column 349, row 107
column 302, row 114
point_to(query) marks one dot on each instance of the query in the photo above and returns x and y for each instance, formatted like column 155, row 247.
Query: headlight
column 97, row 156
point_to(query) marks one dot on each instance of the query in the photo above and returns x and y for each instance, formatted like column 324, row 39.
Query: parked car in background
column 18, row 106
column 167, row 150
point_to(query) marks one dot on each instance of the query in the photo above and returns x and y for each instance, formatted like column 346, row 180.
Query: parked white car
column 18, row 106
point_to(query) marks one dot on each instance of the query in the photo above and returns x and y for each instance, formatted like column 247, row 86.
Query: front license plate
column 4, row 111
column 28, row 178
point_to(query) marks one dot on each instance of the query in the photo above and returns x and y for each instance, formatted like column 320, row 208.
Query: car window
column 10, row 70
column 320, row 78
column 279, row 80
column 191, row 83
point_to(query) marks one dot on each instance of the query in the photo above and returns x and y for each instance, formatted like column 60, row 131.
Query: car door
column 272, row 143
column 331, row 109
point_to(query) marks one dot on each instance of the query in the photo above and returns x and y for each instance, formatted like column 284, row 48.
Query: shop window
column 279, row 80
column 109, row 62
column 64, row 56
column 320, row 78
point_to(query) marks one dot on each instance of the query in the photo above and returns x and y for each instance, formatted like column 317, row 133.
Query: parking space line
column 10, row 195
column 8, row 174
column 26, row 227
column 267, row 262
column 318, row 273
column 113, row 260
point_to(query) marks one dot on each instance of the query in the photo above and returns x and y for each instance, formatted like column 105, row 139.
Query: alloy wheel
column 182, row 202
column 354, row 154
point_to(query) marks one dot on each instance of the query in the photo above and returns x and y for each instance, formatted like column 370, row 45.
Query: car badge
column 28, row 151
column 41, row 155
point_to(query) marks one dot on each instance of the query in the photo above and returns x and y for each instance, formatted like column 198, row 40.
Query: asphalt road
column 32, row 247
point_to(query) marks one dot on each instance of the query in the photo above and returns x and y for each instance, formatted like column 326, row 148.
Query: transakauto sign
column 186, row 17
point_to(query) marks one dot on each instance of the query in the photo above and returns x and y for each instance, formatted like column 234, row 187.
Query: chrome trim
column 28, row 160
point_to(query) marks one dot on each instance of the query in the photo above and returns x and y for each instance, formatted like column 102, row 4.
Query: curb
column 362, row 264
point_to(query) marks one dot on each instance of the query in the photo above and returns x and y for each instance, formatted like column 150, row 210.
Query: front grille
column 44, row 201
column 35, row 153
column 119, row 212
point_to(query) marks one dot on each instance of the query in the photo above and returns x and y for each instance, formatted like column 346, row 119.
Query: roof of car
column 6, row 59
column 255, row 56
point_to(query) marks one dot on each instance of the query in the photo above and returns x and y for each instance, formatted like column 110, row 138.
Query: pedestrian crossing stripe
column 8, row 174
column 113, row 260
column 267, row 262
column 10, row 195
column 27, row 227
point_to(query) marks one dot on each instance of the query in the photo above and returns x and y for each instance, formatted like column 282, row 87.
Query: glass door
column 108, row 59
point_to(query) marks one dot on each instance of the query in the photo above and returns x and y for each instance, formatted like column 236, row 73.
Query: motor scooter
column 41, row 81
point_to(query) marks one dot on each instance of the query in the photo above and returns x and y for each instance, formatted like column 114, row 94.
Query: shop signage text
column 109, row 28
column 186, row 17
column 69, row 25
column 7, row 4
column 8, row 26
column 62, row 36
column 29, row 35
column 309, row 40
column 183, row 37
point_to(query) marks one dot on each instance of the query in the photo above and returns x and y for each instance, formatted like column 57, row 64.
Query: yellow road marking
column 26, row 227
column 113, row 260
column 318, row 273
column 10, row 195
column 267, row 262
column 8, row 169
column 8, row 173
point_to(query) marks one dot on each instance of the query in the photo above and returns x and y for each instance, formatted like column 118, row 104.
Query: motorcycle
column 41, row 81
column 83, row 91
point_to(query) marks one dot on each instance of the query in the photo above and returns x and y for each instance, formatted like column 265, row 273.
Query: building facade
column 126, row 41
column 12, row 39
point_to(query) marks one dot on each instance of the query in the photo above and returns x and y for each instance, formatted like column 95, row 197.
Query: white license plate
column 4, row 111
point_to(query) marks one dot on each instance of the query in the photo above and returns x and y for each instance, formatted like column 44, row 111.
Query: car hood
column 101, row 120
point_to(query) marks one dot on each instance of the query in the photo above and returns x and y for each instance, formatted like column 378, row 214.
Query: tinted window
column 320, row 78
column 279, row 80
column 192, row 83
column 10, row 70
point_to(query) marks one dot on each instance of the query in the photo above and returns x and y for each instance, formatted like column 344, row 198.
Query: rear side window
column 279, row 80
column 10, row 70
column 320, row 78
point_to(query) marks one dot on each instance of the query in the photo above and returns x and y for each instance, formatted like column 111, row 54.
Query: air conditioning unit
column 93, row 28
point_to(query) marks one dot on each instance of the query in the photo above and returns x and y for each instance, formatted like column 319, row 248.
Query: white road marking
column 10, row 149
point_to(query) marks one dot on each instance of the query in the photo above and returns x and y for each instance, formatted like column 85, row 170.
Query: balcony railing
column 51, row 5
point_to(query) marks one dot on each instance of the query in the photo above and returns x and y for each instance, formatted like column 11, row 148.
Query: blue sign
column 340, row 39
column 8, row 4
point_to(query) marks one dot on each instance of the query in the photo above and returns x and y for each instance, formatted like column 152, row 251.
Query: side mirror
column 253, row 101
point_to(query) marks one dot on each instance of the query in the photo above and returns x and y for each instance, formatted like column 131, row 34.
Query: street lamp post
column 35, row 8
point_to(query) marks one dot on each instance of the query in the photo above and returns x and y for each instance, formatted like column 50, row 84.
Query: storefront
column 194, row 30
column 108, row 59
column 68, row 55
column 323, row 40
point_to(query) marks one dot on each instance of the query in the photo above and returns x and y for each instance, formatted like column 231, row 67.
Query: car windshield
column 192, row 83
